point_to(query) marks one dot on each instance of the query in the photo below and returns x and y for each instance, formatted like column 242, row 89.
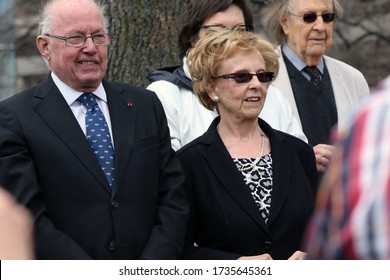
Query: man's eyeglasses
column 312, row 17
column 244, row 77
column 243, row 27
column 77, row 41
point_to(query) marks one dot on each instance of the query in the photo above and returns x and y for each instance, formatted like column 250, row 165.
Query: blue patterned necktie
column 314, row 73
column 98, row 135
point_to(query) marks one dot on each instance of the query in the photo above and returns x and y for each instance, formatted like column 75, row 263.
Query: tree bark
column 144, row 37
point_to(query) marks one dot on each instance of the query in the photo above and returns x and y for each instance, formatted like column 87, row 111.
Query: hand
column 323, row 153
column 298, row 255
column 16, row 229
column 256, row 257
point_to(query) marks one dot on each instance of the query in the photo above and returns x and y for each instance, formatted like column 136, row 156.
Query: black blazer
column 47, row 163
column 225, row 222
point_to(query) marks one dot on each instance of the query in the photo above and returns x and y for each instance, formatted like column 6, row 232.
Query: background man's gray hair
column 275, row 9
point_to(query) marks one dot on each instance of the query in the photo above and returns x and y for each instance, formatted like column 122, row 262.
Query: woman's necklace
column 255, row 162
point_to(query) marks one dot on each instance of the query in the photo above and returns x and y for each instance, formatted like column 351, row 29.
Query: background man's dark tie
column 314, row 73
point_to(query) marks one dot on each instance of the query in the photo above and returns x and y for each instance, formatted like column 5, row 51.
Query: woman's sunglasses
column 312, row 17
column 240, row 78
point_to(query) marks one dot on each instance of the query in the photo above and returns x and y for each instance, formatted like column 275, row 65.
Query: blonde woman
column 251, row 187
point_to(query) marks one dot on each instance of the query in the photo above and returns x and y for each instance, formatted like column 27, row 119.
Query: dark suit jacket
column 47, row 163
column 225, row 222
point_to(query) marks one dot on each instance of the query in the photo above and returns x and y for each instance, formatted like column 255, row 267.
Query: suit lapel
column 123, row 116
column 282, row 82
column 338, row 81
column 282, row 168
column 56, row 113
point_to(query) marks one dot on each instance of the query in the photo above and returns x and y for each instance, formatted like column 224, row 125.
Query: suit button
column 112, row 246
column 115, row 204
column 267, row 245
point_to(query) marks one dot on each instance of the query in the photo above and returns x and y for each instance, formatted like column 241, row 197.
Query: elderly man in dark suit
column 91, row 159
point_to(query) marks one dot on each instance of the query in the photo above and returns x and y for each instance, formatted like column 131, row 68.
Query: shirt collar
column 297, row 61
column 72, row 95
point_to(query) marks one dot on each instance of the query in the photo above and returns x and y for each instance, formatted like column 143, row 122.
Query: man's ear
column 43, row 46
column 283, row 24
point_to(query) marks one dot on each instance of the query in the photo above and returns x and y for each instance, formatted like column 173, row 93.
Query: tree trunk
column 144, row 37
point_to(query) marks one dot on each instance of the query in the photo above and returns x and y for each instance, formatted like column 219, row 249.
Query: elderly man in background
column 321, row 90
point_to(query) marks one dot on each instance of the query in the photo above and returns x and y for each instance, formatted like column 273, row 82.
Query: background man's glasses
column 312, row 17
column 240, row 78
column 77, row 41
column 243, row 27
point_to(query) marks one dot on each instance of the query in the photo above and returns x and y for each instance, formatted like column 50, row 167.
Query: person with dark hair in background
column 352, row 215
column 187, row 118
column 321, row 90
column 251, row 188
column 90, row 158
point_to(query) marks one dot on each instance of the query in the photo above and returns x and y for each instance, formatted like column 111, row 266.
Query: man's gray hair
column 275, row 9
column 45, row 24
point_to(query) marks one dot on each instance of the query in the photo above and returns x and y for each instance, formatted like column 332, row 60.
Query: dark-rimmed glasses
column 312, row 17
column 244, row 77
column 77, row 41
column 243, row 27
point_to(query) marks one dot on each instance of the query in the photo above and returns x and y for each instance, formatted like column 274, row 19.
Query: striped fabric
column 352, row 217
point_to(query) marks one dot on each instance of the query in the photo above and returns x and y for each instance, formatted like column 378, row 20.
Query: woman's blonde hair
column 218, row 45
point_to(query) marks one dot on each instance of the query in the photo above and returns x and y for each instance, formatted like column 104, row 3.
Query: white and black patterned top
column 259, row 179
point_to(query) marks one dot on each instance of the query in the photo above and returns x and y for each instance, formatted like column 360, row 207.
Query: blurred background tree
column 145, row 38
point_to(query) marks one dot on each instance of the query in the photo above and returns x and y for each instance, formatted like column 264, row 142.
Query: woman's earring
column 215, row 99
